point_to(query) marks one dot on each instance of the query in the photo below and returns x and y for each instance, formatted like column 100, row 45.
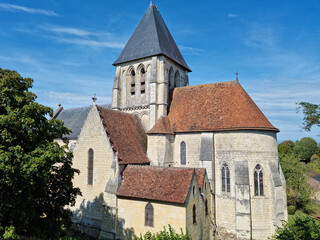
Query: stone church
column 201, row 158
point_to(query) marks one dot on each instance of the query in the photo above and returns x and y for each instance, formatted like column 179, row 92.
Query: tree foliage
column 299, row 191
column 305, row 148
column 299, row 228
column 311, row 114
column 35, row 172
column 166, row 235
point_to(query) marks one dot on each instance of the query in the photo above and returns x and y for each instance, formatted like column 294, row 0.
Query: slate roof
column 214, row 107
column 74, row 118
column 126, row 135
column 151, row 38
column 166, row 184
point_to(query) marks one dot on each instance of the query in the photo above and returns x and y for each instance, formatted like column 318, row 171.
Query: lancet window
column 194, row 214
column 133, row 82
column 90, row 166
column 149, row 215
column 177, row 79
column 142, row 81
column 183, row 155
column 258, row 181
column 206, row 207
column 225, row 177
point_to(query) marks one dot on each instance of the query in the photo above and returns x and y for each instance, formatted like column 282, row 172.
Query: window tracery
column 258, row 181
column 225, row 177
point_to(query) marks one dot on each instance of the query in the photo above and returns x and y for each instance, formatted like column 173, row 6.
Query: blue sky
column 68, row 48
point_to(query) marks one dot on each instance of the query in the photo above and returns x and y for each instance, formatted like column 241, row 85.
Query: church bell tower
column 148, row 69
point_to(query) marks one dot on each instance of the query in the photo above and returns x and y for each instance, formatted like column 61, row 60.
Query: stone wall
column 132, row 211
column 94, row 211
column 238, row 213
column 202, row 228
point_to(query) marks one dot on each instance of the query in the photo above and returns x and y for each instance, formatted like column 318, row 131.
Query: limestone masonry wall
column 95, row 209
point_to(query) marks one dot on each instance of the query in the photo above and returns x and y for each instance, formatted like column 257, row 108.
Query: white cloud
column 11, row 7
column 191, row 50
column 69, row 99
column 231, row 15
column 68, row 30
column 76, row 36
column 90, row 42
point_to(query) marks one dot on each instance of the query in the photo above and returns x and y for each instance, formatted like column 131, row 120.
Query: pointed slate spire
column 151, row 38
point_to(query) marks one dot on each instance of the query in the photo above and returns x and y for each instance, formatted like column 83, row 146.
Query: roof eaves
column 227, row 129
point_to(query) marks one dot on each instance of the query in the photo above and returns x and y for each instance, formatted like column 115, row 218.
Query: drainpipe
column 214, row 189
column 250, row 207
column 116, row 220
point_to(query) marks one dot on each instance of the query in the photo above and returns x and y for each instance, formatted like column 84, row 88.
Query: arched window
column 177, row 79
column 133, row 82
column 171, row 79
column 225, row 175
column 142, row 81
column 183, row 150
column 149, row 215
column 194, row 214
column 258, row 180
column 206, row 207
column 90, row 166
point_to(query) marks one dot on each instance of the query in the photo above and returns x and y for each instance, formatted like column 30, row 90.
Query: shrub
column 300, row 227
column 291, row 209
column 167, row 235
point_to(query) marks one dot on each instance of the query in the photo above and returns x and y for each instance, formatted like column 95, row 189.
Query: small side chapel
column 202, row 158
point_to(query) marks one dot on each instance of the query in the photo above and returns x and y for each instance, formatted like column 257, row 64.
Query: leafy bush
column 305, row 148
column 314, row 157
column 300, row 227
column 166, row 235
column 10, row 233
column 291, row 209
column 299, row 191
column 284, row 149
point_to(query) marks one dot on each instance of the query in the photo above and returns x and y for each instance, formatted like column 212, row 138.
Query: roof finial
column 94, row 98
column 237, row 80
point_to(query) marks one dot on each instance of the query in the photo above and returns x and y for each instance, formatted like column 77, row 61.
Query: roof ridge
column 206, row 84
column 164, row 167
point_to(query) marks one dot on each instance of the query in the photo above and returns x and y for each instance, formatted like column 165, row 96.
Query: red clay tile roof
column 166, row 184
column 200, row 173
column 215, row 107
column 126, row 135
column 162, row 126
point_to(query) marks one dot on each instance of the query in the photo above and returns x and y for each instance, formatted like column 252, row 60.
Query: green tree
column 305, row 148
column 299, row 191
column 289, row 143
column 284, row 149
column 311, row 114
column 35, row 172
column 299, row 228
column 166, row 235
